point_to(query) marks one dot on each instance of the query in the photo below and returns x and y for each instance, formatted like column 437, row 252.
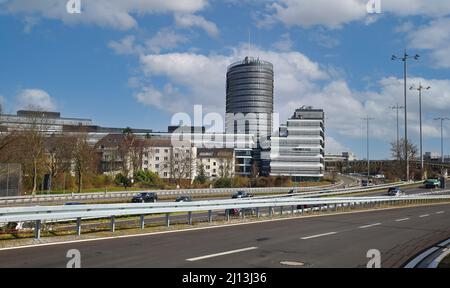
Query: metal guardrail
column 127, row 194
column 41, row 214
column 343, row 191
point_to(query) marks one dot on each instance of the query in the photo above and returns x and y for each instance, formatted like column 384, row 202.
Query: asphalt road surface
column 325, row 241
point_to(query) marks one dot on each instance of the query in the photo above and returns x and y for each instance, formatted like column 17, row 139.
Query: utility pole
column 367, row 119
column 397, row 107
column 420, row 121
column 405, row 59
column 442, row 119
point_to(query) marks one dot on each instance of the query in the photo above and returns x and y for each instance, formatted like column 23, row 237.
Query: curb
column 431, row 257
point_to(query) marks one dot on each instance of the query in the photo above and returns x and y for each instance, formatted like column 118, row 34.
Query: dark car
column 245, row 211
column 292, row 191
column 395, row 191
column 145, row 197
column 73, row 203
column 241, row 194
column 183, row 199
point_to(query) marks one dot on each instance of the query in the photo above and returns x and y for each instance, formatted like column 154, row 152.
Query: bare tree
column 83, row 158
column 29, row 147
column 225, row 168
column 59, row 150
column 124, row 150
column 181, row 164
column 398, row 151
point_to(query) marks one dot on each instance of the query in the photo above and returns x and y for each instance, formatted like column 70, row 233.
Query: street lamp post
column 420, row 121
column 367, row 119
column 397, row 107
column 442, row 119
column 405, row 59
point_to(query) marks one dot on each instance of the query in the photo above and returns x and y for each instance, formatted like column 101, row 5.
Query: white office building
column 298, row 150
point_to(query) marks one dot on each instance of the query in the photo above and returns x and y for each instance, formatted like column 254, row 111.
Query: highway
column 324, row 241
column 219, row 215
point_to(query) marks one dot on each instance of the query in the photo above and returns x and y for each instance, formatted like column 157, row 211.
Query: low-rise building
column 121, row 153
column 216, row 163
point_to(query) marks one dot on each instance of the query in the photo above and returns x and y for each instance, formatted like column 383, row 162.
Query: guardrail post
column 167, row 219
column 292, row 210
column 113, row 223
column 190, row 217
column 270, row 211
column 210, row 216
column 257, row 212
column 281, row 210
column 78, row 226
column 37, row 230
column 243, row 213
column 142, row 221
column 227, row 214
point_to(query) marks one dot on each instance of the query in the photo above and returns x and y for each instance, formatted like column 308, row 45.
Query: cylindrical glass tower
column 249, row 100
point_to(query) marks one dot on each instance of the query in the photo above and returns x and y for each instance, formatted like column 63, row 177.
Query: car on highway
column 432, row 183
column 145, row 197
column 13, row 227
column 245, row 211
column 73, row 203
column 292, row 191
column 183, row 198
column 241, row 194
column 395, row 191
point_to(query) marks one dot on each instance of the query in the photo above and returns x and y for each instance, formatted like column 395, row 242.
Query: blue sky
column 136, row 63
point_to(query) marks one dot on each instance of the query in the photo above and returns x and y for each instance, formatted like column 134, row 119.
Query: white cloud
column 35, row 99
column 434, row 37
column 190, row 20
column 285, row 43
column 165, row 39
column 332, row 146
column 305, row 13
column 117, row 14
column 202, row 77
column 126, row 46
column 334, row 14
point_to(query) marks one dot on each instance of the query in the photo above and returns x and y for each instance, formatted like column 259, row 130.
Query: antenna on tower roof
column 249, row 43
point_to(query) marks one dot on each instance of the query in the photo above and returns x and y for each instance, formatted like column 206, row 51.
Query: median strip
column 319, row 235
column 221, row 254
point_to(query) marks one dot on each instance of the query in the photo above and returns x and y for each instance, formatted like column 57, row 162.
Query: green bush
column 122, row 180
column 223, row 183
column 148, row 179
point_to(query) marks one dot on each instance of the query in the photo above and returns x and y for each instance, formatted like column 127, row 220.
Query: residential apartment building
column 217, row 163
column 298, row 150
column 121, row 153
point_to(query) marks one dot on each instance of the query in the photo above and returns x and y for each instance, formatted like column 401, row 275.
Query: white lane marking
column 221, row 254
column 403, row 219
column 318, row 235
column 439, row 212
column 370, row 225
column 424, row 215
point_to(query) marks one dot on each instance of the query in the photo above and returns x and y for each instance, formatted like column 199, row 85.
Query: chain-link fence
column 10, row 179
